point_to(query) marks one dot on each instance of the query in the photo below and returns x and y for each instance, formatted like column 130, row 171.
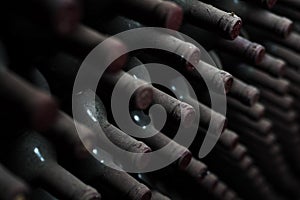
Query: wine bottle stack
column 237, row 86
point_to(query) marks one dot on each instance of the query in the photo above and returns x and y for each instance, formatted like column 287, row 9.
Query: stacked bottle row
column 253, row 50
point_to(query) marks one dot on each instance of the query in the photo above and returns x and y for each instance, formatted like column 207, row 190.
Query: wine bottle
column 258, row 78
column 177, row 109
column 290, row 56
column 250, row 14
column 64, row 133
column 197, row 170
column 33, row 158
column 94, row 114
column 84, row 39
column 110, row 178
column 159, row 140
column 61, row 69
column 287, row 116
column 274, row 66
column 12, row 187
column 153, row 13
column 254, row 112
column 240, row 46
column 229, row 139
column 262, row 126
column 290, row 41
column 142, row 96
column 283, row 102
column 180, row 89
column 178, row 51
column 246, row 94
column 24, row 104
column 158, row 12
column 215, row 77
column 210, row 18
column 208, row 117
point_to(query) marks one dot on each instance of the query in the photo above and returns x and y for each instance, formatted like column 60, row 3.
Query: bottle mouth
column 140, row 192
column 285, row 27
column 91, row 194
column 184, row 160
column 173, row 15
column 256, row 52
column 228, row 82
column 253, row 95
column 209, row 181
column 247, row 163
column 191, row 54
column 142, row 160
column 188, row 117
column 234, row 31
column 143, row 97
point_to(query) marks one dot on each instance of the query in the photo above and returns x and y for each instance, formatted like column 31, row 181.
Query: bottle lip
column 235, row 28
column 173, row 16
column 143, row 97
column 184, row 160
column 140, row 192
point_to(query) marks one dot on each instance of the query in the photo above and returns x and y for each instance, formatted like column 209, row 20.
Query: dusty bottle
column 24, row 104
column 246, row 94
column 61, row 69
column 175, row 108
column 208, row 117
column 184, row 53
column 143, row 92
column 250, row 14
column 274, row 66
column 215, row 77
column 109, row 177
column 259, row 78
column 152, row 13
column 94, row 114
column 240, row 46
column 210, row 18
column 229, row 139
column 84, row 39
column 64, row 133
column 33, row 158
column 254, row 112
column 291, row 57
column 262, row 126
column 283, row 102
column 159, row 140
column 291, row 41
